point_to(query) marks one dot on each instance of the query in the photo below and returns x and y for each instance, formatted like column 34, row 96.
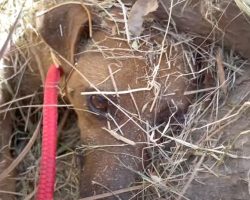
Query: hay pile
column 175, row 160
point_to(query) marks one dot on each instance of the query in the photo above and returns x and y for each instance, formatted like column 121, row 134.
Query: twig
column 125, row 20
column 119, row 137
column 116, row 92
column 221, row 72
column 5, row 45
column 191, row 177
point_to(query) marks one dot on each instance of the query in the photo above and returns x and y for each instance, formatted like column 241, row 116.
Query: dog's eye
column 98, row 104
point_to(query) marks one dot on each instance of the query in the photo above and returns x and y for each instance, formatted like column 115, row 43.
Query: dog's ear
column 60, row 27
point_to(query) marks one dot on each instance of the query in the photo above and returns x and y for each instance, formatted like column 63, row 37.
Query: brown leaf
column 140, row 9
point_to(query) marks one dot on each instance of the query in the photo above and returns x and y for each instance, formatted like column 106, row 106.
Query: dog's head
column 115, row 92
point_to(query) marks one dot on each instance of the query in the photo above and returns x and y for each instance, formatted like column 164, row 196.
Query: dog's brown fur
column 86, row 68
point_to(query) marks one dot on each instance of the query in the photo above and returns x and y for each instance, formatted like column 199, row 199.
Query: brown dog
column 114, row 90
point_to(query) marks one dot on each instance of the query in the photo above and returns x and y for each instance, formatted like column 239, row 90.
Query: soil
column 227, row 177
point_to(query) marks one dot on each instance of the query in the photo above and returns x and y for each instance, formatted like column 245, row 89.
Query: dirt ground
column 224, row 172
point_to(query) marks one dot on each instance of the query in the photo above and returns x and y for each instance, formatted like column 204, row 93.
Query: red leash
column 49, row 137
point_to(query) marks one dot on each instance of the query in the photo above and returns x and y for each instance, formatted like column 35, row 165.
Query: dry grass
column 25, row 142
column 170, row 172
column 244, row 5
